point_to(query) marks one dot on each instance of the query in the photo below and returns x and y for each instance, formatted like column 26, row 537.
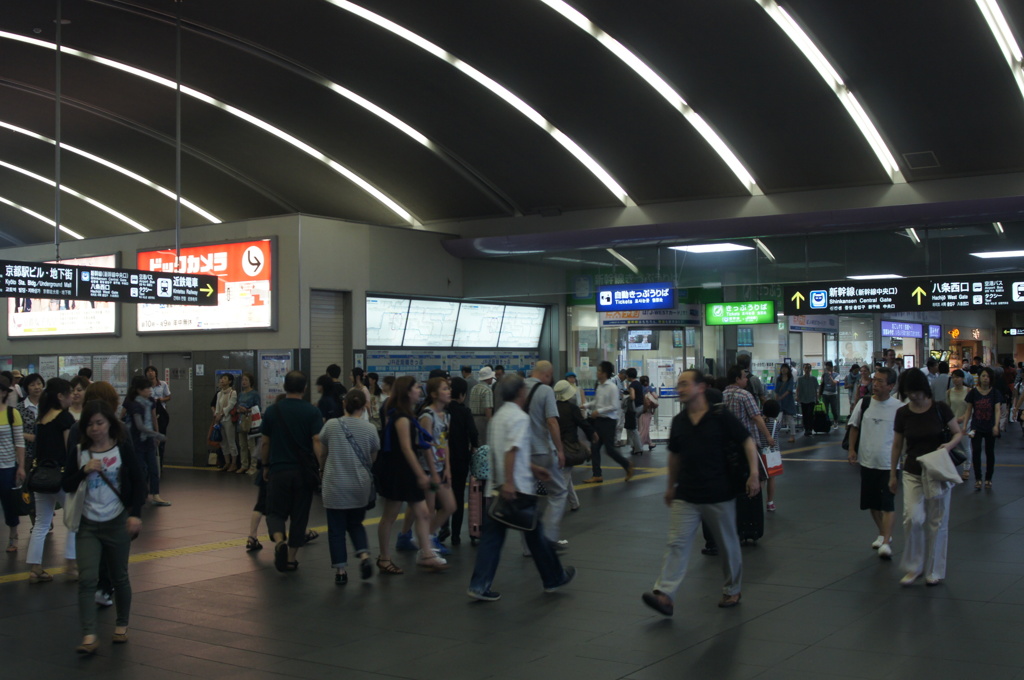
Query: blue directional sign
column 635, row 296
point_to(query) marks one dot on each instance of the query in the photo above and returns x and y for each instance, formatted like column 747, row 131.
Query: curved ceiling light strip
column 63, row 187
column 1004, row 38
column 297, row 143
column 42, row 218
column 662, row 87
column 496, row 88
column 835, row 82
column 117, row 168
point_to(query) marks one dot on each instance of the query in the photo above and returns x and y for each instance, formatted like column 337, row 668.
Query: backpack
column 480, row 463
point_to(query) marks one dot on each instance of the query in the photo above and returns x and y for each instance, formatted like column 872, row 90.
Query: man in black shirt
column 700, row 488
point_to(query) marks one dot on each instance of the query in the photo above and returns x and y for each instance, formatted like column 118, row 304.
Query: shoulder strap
column 363, row 458
column 530, row 398
column 865, row 402
column 10, row 423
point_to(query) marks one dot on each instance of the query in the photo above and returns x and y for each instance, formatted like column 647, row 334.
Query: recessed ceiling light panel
column 712, row 248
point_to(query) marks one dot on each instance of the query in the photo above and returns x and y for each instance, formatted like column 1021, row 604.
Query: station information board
column 739, row 313
column 923, row 294
column 1013, row 331
column 99, row 284
column 32, row 318
column 630, row 296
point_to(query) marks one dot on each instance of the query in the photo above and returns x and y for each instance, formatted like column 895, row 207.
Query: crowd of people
column 399, row 443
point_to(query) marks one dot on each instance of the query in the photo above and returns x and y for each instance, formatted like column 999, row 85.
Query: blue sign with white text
column 636, row 296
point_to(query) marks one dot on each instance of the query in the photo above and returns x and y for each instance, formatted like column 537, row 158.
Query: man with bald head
column 546, row 445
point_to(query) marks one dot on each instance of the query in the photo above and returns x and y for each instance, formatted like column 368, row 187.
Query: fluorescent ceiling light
column 764, row 249
column 495, row 88
column 869, row 277
column 1004, row 38
column 712, row 248
column 999, row 253
column 633, row 61
column 576, row 260
column 621, row 258
column 998, row 226
column 68, row 190
column 117, row 168
column 297, row 143
column 836, row 84
column 912, row 233
column 42, row 218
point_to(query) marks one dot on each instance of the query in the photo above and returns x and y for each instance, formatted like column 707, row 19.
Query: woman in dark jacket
column 110, row 476
column 463, row 439
column 570, row 422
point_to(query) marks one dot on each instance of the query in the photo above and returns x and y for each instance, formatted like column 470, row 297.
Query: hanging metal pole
column 56, row 147
column 177, row 133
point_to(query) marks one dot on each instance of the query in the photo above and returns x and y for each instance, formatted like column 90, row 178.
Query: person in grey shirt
column 546, row 445
column 807, row 395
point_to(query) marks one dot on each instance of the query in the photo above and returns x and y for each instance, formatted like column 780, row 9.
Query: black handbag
column 518, row 513
column 44, row 477
column 957, row 457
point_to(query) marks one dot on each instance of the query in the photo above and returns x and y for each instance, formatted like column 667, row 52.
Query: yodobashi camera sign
column 739, row 313
column 632, row 296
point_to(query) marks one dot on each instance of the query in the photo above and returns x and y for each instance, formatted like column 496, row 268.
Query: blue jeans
column 7, row 495
column 338, row 523
column 488, row 555
column 150, row 466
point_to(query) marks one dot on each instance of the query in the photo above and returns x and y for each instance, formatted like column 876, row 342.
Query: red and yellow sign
column 245, row 278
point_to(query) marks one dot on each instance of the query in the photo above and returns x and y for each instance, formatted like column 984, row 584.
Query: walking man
column 546, row 445
column 871, row 434
column 700, row 488
column 605, row 411
column 290, row 451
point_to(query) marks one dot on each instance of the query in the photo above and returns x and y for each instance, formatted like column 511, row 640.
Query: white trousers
column 45, row 505
column 925, row 529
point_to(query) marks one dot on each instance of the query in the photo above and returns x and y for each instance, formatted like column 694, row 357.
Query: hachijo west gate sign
column 929, row 294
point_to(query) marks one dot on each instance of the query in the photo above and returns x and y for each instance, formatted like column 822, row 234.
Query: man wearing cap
column 481, row 402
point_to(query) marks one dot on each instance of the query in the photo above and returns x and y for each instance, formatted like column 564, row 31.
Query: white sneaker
column 885, row 551
column 878, row 543
column 104, row 599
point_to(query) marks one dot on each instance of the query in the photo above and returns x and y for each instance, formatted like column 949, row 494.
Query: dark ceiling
column 929, row 72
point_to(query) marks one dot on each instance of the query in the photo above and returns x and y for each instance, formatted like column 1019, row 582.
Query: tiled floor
column 817, row 602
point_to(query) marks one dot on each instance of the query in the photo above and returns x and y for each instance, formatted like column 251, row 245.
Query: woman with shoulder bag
column 922, row 425
column 570, row 422
column 248, row 451
column 105, row 509
column 350, row 446
column 649, row 409
column 12, row 462
column 44, row 480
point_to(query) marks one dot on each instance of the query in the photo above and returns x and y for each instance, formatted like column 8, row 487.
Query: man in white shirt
column 871, row 435
column 513, row 475
column 605, row 410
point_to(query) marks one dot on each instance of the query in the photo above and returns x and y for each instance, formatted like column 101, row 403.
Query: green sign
column 739, row 313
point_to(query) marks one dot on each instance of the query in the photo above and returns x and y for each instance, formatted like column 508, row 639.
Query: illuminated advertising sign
column 902, row 329
column 632, row 296
column 34, row 317
column 245, row 276
column 739, row 313
column 935, row 332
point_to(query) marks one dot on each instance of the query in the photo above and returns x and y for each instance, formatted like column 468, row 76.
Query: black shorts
column 874, row 490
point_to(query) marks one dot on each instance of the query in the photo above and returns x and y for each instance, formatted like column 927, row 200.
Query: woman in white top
column 955, row 397
column 226, row 400
column 103, row 467
column 350, row 446
column 161, row 395
column 12, row 462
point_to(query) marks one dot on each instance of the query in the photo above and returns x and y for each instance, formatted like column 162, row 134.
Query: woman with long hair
column 12, row 461
column 51, row 449
column 33, row 386
column 984, row 408
column 921, row 426
column 144, row 434
column 785, row 388
column 956, row 397
column 377, row 397
column 650, row 407
column 359, row 383
column 161, row 395
column 400, row 477
column 110, row 477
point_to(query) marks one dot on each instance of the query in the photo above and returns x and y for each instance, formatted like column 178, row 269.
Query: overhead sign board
column 926, row 294
column 902, row 329
column 739, row 313
column 1013, row 331
column 29, row 317
column 242, row 272
column 99, row 284
column 632, row 296
column 683, row 315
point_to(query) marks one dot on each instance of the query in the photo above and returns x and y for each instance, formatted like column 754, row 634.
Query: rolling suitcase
column 750, row 517
column 476, row 508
